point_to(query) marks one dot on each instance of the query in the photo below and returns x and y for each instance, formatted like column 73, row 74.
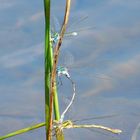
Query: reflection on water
column 103, row 62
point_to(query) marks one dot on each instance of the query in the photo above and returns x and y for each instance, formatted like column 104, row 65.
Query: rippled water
column 103, row 62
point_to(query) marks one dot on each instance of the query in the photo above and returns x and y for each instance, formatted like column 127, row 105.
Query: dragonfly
column 55, row 33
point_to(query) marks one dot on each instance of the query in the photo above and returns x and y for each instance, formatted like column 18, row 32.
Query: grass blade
column 21, row 131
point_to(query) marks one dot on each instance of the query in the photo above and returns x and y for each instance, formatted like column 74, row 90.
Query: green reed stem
column 48, row 68
column 47, row 60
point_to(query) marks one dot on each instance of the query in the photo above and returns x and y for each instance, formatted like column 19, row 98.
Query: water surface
column 104, row 63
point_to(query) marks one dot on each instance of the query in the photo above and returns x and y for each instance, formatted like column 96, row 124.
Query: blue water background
column 111, row 48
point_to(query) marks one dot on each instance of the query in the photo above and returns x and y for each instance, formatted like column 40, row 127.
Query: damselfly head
column 55, row 37
column 62, row 71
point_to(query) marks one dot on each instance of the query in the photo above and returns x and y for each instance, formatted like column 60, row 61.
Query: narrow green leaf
column 47, row 59
column 22, row 131
column 48, row 67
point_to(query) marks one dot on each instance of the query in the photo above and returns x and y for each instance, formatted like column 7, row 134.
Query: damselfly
column 63, row 71
column 55, row 31
column 61, row 124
